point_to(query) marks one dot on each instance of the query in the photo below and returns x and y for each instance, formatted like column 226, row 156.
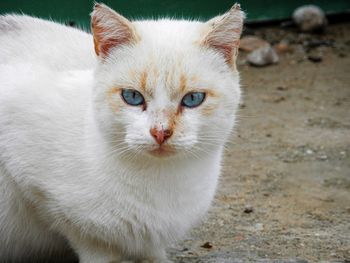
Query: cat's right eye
column 132, row 97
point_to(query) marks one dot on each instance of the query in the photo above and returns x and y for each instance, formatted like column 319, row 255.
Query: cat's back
column 45, row 77
column 28, row 39
column 43, row 67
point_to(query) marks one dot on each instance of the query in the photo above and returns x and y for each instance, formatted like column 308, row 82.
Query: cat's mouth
column 162, row 151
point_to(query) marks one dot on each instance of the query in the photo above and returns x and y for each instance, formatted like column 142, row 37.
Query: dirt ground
column 285, row 190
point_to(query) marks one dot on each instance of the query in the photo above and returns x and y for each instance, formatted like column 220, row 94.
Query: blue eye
column 193, row 99
column 132, row 97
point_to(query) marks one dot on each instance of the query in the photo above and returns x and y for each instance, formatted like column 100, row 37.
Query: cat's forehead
column 167, row 75
column 167, row 32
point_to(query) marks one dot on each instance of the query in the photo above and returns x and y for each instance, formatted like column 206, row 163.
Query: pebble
column 308, row 151
column 250, row 43
column 248, row 209
column 263, row 56
column 207, row 245
column 282, row 88
column 315, row 58
column 283, row 47
column 310, row 18
column 322, row 158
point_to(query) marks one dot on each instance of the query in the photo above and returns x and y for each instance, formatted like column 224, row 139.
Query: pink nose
column 161, row 135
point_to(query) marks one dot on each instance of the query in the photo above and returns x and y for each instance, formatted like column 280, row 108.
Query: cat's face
column 165, row 88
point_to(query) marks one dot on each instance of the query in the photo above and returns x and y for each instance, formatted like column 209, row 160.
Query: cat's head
column 166, row 87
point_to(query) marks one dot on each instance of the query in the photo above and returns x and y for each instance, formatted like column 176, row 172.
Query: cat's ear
column 110, row 30
column 222, row 33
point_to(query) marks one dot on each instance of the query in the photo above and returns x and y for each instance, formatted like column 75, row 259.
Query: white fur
column 75, row 173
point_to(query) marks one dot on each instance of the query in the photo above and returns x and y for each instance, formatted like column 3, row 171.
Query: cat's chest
column 158, row 208
column 152, row 198
column 164, row 189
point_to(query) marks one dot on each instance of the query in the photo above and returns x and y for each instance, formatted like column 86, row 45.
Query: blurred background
column 78, row 11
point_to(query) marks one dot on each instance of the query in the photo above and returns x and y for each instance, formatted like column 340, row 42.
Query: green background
column 78, row 11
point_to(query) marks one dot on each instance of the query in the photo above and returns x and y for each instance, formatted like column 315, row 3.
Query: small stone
column 283, row 47
column 273, row 98
column 207, row 245
column 282, row 88
column 250, row 43
column 248, row 209
column 310, row 18
column 309, row 151
column 323, row 158
column 279, row 99
column 315, row 58
column 263, row 56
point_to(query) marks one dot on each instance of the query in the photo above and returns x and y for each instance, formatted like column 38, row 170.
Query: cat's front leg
column 91, row 252
column 158, row 260
column 93, row 255
column 159, row 257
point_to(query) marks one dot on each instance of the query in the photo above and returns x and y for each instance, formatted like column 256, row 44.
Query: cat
column 111, row 144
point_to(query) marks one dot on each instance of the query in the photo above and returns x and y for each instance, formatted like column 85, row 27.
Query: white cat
column 115, row 157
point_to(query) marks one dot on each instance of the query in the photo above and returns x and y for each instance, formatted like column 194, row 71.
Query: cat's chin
column 162, row 151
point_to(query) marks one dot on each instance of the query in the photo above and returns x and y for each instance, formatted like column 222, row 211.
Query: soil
column 284, row 195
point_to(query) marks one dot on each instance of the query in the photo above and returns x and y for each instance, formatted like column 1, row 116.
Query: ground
column 285, row 189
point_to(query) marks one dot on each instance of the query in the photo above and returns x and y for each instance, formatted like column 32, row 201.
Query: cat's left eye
column 193, row 99
column 132, row 97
